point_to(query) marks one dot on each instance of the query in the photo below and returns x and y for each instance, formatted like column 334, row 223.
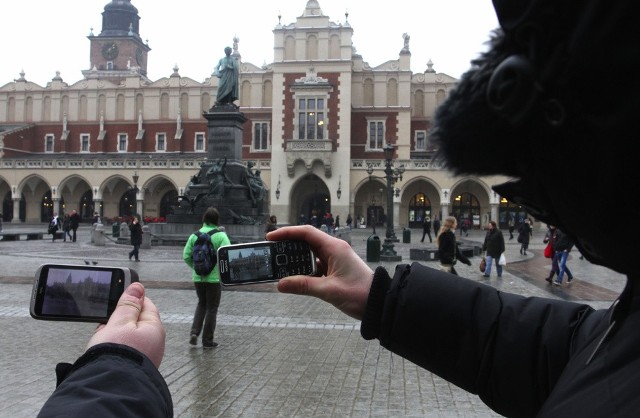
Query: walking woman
column 448, row 248
column 136, row 238
column 524, row 233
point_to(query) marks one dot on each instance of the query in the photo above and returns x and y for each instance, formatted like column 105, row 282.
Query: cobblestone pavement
column 279, row 355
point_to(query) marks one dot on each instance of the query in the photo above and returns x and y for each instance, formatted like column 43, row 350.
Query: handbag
column 483, row 264
column 503, row 260
column 548, row 251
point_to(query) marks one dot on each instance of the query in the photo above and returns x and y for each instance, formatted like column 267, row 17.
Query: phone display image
column 265, row 261
column 78, row 293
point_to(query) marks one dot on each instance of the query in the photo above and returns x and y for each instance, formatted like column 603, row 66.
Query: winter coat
column 218, row 239
column 136, row 233
column 524, row 233
column 494, row 243
column 563, row 242
column 109, row 380
column 523, row 356
column 448, row 249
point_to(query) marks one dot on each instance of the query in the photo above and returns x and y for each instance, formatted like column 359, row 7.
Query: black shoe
column 137, row 259
column 525, row 253
column 212, row 345
column 548, row 279
column 569, row 279
column 193, row 340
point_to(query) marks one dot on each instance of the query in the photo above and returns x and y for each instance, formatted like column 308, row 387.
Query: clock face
column 139, row 56
column 110, row 50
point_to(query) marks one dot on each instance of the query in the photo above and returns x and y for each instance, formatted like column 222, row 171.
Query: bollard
column 98, row 235
column 93, row 231
column 125, row 234
column 146, row 237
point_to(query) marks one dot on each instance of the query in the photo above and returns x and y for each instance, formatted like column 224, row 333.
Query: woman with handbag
column 550, row 239
column 448, row 249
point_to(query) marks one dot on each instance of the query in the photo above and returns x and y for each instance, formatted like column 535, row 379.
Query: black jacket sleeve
column 109, row 380
column 508, row 349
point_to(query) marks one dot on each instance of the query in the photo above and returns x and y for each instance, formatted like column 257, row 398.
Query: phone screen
column 251, row 263
column 65, row 292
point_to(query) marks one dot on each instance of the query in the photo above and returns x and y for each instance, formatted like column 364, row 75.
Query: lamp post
column 392, row 175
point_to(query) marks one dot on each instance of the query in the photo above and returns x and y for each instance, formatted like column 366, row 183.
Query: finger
column 130, row 305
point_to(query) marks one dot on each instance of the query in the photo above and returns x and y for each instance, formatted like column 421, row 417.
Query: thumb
column 130, row 305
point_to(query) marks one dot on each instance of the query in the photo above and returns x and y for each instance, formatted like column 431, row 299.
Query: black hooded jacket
column 524, row 356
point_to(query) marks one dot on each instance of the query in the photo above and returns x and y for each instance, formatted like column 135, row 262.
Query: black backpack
column 204, row 254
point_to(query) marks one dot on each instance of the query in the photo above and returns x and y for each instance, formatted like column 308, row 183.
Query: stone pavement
column 279, row 355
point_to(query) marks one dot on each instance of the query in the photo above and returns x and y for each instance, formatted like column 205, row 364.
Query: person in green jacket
column 208, row 288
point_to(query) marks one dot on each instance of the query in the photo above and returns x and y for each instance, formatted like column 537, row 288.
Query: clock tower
column 118, row 50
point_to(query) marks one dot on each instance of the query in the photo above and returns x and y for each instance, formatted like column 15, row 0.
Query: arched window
column 312, row 47
column 289, row 48
column 466, row 206
column 419, row 207
column 368, row 92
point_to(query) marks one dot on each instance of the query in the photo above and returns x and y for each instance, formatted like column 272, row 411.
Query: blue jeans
column 487, row 270
column 562, row 265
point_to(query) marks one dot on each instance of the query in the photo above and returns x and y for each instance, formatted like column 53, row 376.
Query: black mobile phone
column 265, row 261
column 69, row 292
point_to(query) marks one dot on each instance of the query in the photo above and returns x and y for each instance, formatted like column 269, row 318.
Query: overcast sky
column 42, row 37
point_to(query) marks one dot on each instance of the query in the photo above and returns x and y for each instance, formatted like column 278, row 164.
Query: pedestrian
column 426, row 228
column 563, row 247
column 74, row 220
column 336, row 224
column 0, row 222
column 96, row 218
column 436, row 224
column 550, row 238
column 524, row 234
column 512, row 226
column 349, row 221
column 54, row 226
column 271, row 224
column 329, row 222
column 208, row 288
column 66, row 228
column 493, row 246
column 136, row 238
column 302, row 220
column 448, row 251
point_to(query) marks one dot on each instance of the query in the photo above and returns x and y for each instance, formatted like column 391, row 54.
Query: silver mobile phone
column 265, row 261
column 68, row 292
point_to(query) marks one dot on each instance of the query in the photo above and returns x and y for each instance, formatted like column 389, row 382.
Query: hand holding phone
column 264, row 261
column 68, row 292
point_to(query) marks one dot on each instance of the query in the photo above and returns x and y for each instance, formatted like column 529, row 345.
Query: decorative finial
column 346, row 16
column 130, row 29
column 279, row 17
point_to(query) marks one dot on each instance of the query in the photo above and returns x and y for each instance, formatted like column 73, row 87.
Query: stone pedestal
column 224, row 182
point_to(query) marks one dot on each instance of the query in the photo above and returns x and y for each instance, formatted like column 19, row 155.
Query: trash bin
column 115, row 230
column 406, row 236
column 373, row 248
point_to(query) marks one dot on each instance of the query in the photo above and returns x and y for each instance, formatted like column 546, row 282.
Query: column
column 16, row 210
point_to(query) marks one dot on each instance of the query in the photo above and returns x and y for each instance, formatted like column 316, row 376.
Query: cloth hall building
column 318, row 117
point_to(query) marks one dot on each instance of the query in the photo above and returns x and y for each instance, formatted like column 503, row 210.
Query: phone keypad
column 293, row 258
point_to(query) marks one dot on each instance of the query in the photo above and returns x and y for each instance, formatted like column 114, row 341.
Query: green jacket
column 219, row 239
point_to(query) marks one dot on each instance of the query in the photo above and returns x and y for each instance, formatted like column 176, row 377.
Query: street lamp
column 136, row 177
column 392, row 175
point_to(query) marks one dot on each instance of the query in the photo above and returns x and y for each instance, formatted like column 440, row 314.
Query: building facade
column 318, row 119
